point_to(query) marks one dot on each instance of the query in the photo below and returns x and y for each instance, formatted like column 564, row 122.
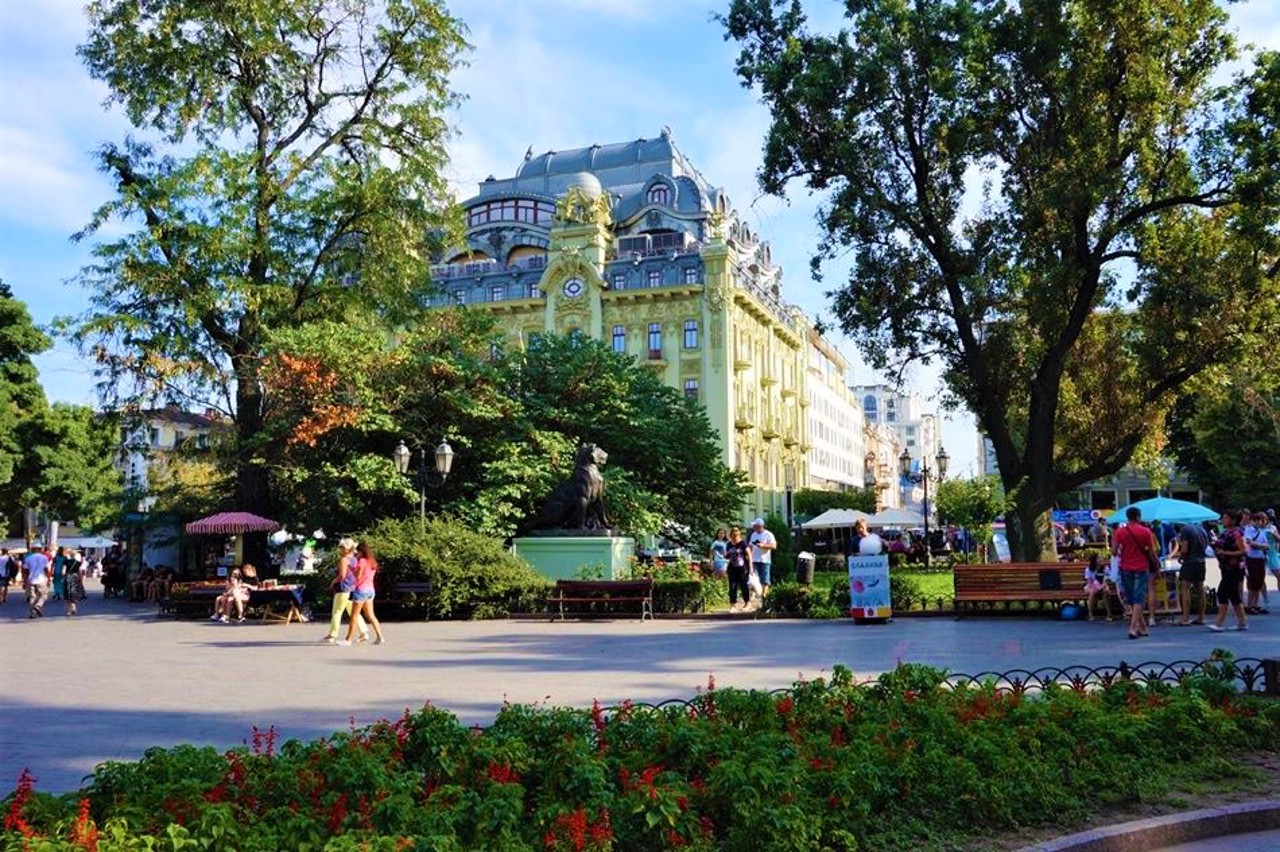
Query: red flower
column 784, row 705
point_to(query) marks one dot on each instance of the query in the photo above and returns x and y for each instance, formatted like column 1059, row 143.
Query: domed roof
column 585, row 181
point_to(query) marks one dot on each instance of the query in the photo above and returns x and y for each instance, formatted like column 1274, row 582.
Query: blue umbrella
column 1166, row 509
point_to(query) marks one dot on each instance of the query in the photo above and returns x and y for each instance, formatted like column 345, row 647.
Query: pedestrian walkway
column 117, row 680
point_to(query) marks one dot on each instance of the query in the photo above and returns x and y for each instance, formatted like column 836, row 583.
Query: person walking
column 1229, row 548
column 762, row 544
column 344, row 583
column 1135, row 545
column 73, row 583
column 362, row 595
column 35, row 582
column 720, row 564
column 738, row 559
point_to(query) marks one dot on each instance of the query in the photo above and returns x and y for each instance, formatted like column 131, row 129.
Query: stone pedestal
column 561, row 557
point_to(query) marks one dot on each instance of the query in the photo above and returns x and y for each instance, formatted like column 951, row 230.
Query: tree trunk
column 1029, row 526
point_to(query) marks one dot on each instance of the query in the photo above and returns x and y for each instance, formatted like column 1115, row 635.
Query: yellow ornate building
column 627, row 243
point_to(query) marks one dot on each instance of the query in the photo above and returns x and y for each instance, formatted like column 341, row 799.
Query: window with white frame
column 497, row 293
column 655, row 341
column 691, row 388
column 619, row 338
column 655, row 277
column 659, row 193
column 691, row 275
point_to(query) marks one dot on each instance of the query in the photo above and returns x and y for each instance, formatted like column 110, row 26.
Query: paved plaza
column 117, row 679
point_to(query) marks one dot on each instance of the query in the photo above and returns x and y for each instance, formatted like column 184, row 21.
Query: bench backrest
column 1019, row 576
column 606, row 587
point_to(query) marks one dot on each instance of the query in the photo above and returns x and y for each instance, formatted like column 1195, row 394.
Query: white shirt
column 759, row 554
column 1254, row 536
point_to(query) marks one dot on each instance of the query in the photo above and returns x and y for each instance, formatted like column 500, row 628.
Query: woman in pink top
column 362, row 595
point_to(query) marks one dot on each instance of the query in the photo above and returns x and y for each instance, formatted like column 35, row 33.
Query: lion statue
column 578, row 502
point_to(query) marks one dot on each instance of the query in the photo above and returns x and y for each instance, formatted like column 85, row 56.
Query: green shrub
column 472, row 575
column 906, row 762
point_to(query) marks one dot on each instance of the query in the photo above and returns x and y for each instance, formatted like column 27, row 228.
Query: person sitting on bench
column 236, row 594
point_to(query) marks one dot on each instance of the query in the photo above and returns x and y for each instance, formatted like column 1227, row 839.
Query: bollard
column 1271, row 678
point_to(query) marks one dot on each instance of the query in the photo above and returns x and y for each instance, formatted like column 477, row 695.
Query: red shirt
column 1133, row 541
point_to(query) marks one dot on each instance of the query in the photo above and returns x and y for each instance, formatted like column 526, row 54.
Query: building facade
column 627, row 243
column 837, row 456
column 903, row 425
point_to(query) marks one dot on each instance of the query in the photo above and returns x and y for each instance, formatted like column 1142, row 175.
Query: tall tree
column 21, row 396
column 295, row 172
column 1041, row 195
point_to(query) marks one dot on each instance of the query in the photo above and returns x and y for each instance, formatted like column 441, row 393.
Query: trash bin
column 804, row 568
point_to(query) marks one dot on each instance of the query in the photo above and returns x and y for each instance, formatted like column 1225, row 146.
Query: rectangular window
column 154, row 436
column 691, row 334
column 534, row 292
column 619, row 339
column 497, row 293
column 619, row 280
column 691, row 388
column 459, row 297
column 655, row 277
column 655, row 341
column 691, row 275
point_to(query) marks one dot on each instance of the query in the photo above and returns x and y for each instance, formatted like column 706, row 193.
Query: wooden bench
column 189, row 600
column 977, row 586
column 589, row 593
column 407, row 596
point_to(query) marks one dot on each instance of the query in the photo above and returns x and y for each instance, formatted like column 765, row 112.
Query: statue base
column 562, row 557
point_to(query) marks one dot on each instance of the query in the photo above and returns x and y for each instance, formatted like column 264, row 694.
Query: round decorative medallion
column 573, row 288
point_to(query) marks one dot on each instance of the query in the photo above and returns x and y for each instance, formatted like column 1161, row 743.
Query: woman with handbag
column 1229, row 548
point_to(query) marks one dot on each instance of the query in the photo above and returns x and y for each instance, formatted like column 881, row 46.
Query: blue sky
column 551, row 74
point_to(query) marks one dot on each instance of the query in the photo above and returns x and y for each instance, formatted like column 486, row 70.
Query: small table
column 280, row 603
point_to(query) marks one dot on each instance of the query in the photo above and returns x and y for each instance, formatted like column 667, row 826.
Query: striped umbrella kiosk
column 240, row 525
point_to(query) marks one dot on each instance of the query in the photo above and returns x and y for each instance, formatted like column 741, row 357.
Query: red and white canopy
column 232, row 523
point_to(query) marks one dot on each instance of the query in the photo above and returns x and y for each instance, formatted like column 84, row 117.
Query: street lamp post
column 922, row 478
column 444, row 463
column 789, row 481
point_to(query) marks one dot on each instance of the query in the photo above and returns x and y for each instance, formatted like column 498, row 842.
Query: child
column 1095, row 583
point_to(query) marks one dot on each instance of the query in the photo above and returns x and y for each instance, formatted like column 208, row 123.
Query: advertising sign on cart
column 869, row 588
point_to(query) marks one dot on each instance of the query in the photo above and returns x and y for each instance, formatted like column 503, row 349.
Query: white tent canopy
column 835, row 518
column 895, row 518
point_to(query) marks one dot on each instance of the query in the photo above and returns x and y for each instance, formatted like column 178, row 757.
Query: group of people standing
column 58, row 574
column 1247, row 547
column 746, row 563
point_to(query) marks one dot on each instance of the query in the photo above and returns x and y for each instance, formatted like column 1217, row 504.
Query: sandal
column 1199, row 621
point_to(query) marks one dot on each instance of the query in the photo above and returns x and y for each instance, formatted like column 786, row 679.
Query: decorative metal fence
column 1248, row 675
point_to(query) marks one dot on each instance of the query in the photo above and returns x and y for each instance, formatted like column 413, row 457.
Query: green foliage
column 472, row 574
column 1127, row 222
column 1229, row 425
column 21, row 396
column 904, row 762
column 295, row 173
column 515, row 422
column 811, row 502
column 68, row 468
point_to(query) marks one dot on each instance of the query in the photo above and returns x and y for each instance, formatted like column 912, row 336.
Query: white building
column 837, row 448
column 913, row 429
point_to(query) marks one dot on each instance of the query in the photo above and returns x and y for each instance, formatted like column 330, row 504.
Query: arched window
column 659, row 193
column 619, row 338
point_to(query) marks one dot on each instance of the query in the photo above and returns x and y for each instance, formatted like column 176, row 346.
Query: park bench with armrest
column 186, row 599
column 977, row 586
column 587, row 595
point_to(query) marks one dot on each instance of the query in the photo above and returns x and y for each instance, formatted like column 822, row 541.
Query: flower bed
column 906, row 761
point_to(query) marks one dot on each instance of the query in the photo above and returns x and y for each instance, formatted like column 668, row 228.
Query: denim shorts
column 358, row 596
column 762, row 571
column 1135, row 586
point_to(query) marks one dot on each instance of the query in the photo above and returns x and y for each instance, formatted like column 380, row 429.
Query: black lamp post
column 789, row 481
column 425, row 477
column 922, row 478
